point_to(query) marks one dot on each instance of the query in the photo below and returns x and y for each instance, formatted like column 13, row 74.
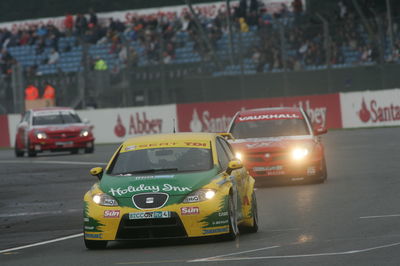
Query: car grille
column 260, row 156
column 63, row 135
column 151, row 228
column 150, row 200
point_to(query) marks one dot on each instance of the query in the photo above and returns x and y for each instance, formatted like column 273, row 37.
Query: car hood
column 61, row 128
column 270, row 144
column 173, row 184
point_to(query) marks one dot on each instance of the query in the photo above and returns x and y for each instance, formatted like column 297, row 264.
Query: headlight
column 41, row 135
column 84, row 133
column 200, row 195
column 299, row 153
column 104, row 200
column 239, row 156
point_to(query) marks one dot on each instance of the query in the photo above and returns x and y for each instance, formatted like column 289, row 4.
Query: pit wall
column 338, row 110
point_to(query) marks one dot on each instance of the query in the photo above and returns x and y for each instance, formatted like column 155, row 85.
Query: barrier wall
column 4, row 131
column 370, row 108
column 215, row 116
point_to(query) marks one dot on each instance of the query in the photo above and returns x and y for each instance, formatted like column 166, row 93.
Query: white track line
column 380, row 216
column 231, row 254
column 51, row 162
column 219, row 258
column 38, row 213
column 41, row 243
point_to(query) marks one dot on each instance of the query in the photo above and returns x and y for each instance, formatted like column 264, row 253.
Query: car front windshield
column 269, row 128
column 159, row 160
column 56, row 118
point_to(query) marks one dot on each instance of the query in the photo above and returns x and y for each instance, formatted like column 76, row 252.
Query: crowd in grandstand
column 157, row 34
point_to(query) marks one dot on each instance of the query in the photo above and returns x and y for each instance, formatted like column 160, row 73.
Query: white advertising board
column 13, row 121
column 116, row 125
column 370, row 108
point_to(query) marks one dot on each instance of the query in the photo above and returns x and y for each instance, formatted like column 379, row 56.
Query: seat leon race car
column 52, row 129
column 279, row 145
column 179, row 185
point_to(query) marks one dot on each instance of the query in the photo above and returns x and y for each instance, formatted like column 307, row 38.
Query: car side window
column 228, row 149
column 26, row 117
column 222, row 156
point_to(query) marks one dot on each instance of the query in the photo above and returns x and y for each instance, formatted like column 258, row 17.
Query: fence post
column 327, row 47
column 283, row 58
column 17, row 85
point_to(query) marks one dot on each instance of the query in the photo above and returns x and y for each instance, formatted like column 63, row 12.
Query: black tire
column 18, row 152
column 74, row 151
column 95, row 244
column 90, row 150
column 233, row 225
column 324, row 172
column 31, row 153
column 254, row 212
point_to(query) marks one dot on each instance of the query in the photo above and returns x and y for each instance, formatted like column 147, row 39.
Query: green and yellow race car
column 177, row 185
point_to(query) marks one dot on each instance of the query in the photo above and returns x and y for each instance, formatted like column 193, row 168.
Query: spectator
column 80, row 24
column 53, row 57
column 69, row 23
column 100, row 64
column 92, row 17
column 6, row 62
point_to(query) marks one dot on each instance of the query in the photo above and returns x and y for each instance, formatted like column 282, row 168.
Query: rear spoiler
column 226, row 135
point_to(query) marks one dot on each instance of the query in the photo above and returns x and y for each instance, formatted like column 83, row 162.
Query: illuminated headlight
column 104, row 200
column 84, row 133
column 41, row 135
column 239, row 156
column 299, row 153
column 200, row 195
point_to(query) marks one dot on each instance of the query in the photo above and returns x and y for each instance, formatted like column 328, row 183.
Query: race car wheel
column 31, row 153
column 95, row 244
column 233, row 225
column 18, row 152
column 324, row 172
column 254, row 213
column 74, row 151
column 89, row 150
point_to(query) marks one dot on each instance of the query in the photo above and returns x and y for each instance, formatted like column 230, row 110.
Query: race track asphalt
column 352, row 219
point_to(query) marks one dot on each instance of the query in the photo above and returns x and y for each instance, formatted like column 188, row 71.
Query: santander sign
column 372, row 111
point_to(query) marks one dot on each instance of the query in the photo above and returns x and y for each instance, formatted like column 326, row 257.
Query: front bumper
column 185, row 220
column 289, row 171
column 61, row 144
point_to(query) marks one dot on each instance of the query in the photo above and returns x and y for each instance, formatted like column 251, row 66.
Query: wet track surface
column 352, row 219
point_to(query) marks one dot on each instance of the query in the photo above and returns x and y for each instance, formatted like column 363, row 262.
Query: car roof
column 271, row 110
column 183, row 136
column 51, row 109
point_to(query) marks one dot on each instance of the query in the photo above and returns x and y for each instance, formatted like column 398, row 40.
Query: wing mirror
column 319, row 130
column 233, row 165
column 97, row 171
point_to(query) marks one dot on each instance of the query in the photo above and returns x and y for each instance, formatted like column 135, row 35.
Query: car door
column 237, row 176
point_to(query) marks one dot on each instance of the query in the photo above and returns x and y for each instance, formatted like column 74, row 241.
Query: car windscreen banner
column 370, row 108
column 323, row 110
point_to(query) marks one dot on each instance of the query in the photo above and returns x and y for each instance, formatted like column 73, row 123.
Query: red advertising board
column 4, row 131
column 216, row 116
